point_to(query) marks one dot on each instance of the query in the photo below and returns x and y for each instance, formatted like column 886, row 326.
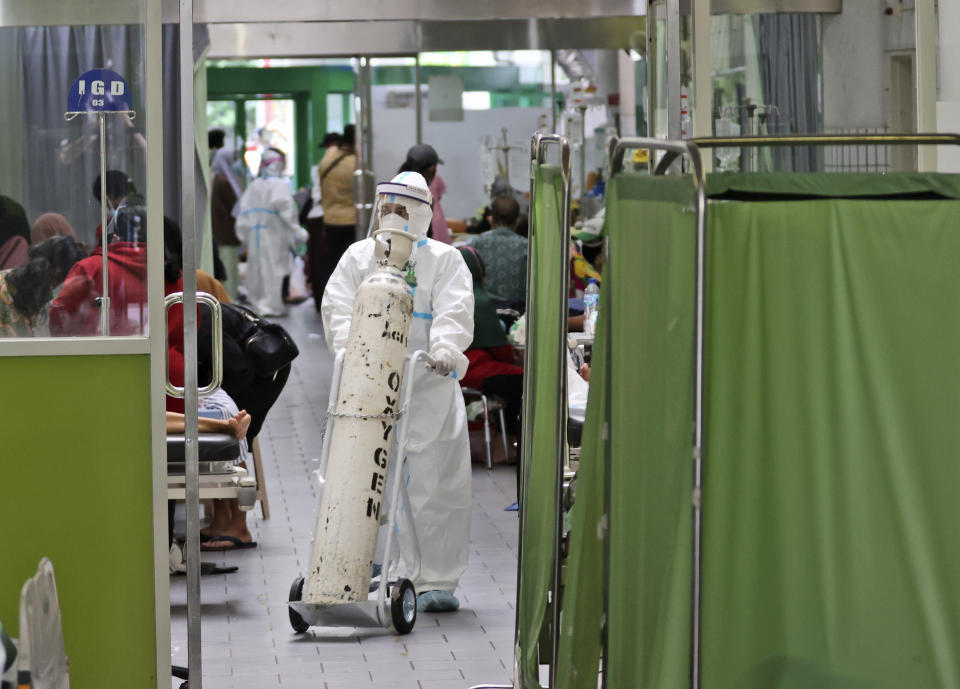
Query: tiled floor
column 247, row 639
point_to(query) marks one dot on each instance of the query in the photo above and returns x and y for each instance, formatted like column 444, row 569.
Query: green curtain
column 831, row 449
column 645, row 376
column 832, row 393
column 544, row 363
column 651, row 435
column 582, row 603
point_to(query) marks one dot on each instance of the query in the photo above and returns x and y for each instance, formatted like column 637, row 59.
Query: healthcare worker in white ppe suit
column 268, row 227
column 438, row 449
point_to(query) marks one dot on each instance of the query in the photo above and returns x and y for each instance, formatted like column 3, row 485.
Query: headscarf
column 13, row 253
column 487, row 330
column 223, row 165
column 50, row 225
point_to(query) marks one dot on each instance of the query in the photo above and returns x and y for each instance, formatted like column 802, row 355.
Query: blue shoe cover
column 515, row 507
column 437, row 601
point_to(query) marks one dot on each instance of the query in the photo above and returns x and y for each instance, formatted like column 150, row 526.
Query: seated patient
column 76, row 309
column 25, row 292
column 62, row 253
column 242, row 386
column 492, row 359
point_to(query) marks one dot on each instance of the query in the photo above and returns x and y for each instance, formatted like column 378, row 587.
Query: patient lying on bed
column 236, row 425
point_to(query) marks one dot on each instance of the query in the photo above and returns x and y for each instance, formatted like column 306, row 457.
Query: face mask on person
column 404, row 204
column 394, row 221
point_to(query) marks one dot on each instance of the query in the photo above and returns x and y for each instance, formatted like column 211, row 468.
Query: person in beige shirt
column 339, row 212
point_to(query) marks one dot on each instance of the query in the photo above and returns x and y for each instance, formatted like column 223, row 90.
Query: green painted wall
column 75, row 486
column 307, row 86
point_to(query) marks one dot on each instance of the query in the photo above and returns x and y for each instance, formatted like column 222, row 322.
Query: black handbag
column 268, row 346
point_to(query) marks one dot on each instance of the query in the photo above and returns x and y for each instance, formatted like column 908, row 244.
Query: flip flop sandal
column 211, row 568
column 235, row 544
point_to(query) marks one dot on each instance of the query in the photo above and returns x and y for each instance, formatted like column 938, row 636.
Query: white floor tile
column 247, row 639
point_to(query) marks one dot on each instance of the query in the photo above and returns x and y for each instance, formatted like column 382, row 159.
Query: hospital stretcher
column 219, row 476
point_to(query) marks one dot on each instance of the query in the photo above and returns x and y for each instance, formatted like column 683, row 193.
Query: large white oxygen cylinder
column 366, row 413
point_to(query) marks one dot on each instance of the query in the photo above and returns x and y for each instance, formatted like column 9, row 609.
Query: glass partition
column 849, row 72
column 73, row 108
column 767, row 81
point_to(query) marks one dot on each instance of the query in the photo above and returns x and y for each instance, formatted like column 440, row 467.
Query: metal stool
column 488, row 406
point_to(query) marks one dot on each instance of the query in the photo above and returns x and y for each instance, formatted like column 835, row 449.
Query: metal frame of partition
column 538, row 153
column 188, row 203
column 538, row 157
column 691, row 150
column 150, row 16
column 811, row 140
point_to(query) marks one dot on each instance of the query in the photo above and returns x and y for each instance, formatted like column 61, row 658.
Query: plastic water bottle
column 591, row 307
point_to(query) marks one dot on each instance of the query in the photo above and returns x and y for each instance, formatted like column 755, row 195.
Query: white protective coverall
column 438, row 449
column 267, row 226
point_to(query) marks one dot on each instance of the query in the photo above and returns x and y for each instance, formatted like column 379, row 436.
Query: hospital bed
column 220, row 477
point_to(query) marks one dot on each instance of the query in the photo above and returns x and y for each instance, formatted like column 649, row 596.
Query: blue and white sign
column 99, row 90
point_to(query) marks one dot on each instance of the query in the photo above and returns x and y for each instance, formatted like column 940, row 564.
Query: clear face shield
column 403, row 208
column 128, row 222
column 390, row 228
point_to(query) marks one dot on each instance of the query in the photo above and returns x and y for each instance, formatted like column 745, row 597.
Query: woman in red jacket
column 76, row 309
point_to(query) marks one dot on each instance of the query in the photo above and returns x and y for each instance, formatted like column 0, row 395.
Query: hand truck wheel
column 296, row 594
column 403, row 606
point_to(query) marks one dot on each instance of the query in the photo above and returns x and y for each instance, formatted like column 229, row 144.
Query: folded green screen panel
column 651, row 435
column 543, row 366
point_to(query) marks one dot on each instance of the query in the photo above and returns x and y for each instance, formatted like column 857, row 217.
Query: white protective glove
column 444, row 361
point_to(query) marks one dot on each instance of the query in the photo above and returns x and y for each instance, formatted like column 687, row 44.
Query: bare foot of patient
column 239, row 424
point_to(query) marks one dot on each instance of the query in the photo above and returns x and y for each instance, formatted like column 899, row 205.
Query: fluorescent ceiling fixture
column 459, row 58
column 284, row 62
column 521, row 58
column 393, row 61
column 484, row 58
column 476, row 100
